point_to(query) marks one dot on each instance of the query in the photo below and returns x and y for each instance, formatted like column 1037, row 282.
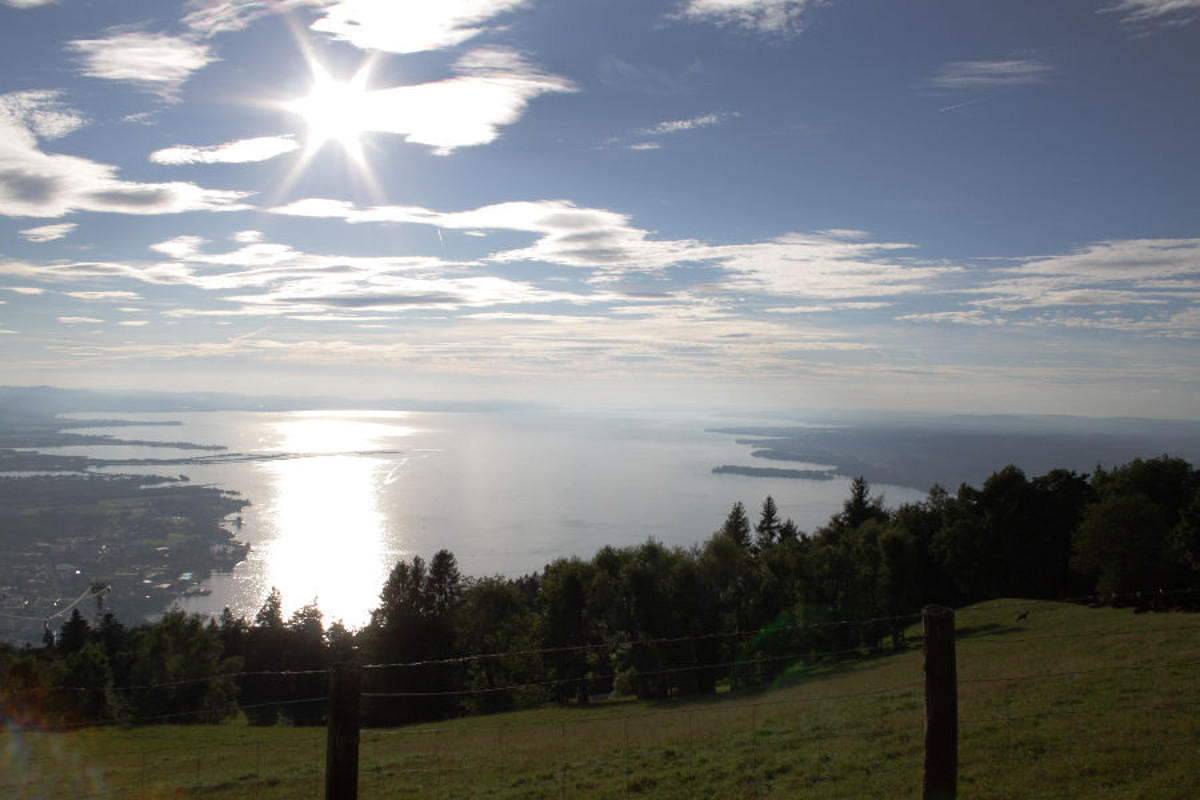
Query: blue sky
column 930, row 204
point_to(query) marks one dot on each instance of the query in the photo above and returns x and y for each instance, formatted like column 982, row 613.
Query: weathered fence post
column 341, row 742
column 941, row 705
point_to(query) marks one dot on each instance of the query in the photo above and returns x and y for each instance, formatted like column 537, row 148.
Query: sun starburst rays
column 336, row 112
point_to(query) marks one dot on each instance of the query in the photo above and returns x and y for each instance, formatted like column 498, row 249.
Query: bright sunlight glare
column 335, row 111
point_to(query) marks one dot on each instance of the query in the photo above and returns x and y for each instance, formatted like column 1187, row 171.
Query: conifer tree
column 769, row 525
column 737, row 525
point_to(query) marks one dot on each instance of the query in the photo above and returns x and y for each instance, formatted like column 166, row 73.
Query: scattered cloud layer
column 828, row 267
column 832, row 265
column 34, row 183
column 565, row 233
column 1143, row 286
column 542, row 286
column 1154, row 283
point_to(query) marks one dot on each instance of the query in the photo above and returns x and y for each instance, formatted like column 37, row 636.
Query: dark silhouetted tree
column 74, row 635
column 737, row 526
column 767, row 528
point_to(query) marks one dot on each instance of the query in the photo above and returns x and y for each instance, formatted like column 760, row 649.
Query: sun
column 335, row 111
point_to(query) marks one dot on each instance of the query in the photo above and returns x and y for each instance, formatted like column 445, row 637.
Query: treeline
column 759, row 597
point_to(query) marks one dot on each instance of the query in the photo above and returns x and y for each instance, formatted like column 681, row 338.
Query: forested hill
column 758, row 596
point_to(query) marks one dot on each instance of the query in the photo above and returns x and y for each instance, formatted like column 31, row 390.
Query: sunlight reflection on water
column 331, row 542
column 338, row 431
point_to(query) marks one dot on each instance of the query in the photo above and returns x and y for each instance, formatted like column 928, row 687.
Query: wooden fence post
column 341, row 742
column 941, row 705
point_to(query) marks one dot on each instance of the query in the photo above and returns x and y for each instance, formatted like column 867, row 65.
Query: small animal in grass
column 1024, row 615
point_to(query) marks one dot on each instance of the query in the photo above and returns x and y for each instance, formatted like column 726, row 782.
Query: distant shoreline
column 776, row 472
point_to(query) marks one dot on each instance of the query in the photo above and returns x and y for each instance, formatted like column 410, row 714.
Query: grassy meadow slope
column 1068, row 702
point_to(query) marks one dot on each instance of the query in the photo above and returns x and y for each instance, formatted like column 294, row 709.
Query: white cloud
column 40, row 111
column 142, row 117
column 105, row 295
column 155, row 61
column 826, row 267
column 243, row 151
column 30, row 290
column 1017, row 295
column 277, row 280
column 1177, row 11
column 774, row 17
column 1141, row 261
column 834, row 265
column 1124, row 274
column 274, row 280
column 80, row 320
column 988, row 74
column 48, row 233
column 680, row 125
column 133, row 323
column 825, row 308
column 567, row 234
column 492, row 89
column 1137, row 286
column 72, row 271
column 180, row 247
column 664, row 340
column 974, row 317
column 28, row 3
column 211, row 17
column 390, row 292
column 38, row 184
column 410, row 27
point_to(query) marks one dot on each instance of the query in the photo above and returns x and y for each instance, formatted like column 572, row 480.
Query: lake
column 339, row 496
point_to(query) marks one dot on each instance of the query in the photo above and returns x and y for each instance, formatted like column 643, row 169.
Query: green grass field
column 1068, row 703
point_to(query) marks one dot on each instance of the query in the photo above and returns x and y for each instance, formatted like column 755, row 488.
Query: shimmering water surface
column 338, row 496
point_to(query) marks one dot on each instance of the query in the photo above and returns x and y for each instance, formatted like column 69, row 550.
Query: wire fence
column 1051, row 704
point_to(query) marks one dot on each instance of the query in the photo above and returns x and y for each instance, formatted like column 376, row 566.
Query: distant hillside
column 919, row 451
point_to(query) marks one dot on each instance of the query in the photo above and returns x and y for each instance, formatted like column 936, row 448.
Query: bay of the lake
column 337, row 497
